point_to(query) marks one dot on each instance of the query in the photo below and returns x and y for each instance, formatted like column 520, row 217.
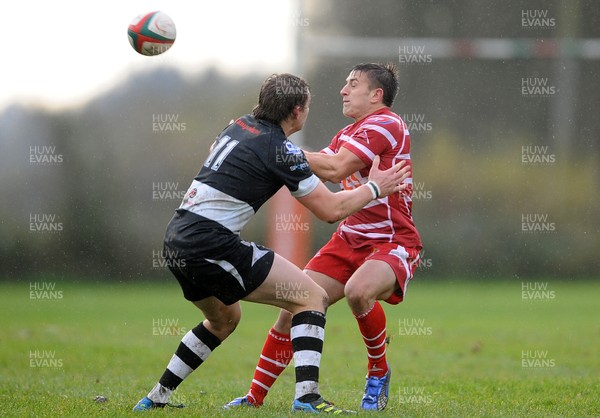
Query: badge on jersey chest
column 292, row 149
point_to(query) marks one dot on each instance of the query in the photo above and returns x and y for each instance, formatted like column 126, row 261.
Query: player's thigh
column 334, row 288
column 288, row 287
column 373, row 280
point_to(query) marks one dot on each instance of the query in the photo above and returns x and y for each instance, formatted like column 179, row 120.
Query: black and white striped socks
column 195, row 347
column 307, row 333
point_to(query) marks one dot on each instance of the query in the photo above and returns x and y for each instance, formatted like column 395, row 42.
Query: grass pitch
column 457, row 349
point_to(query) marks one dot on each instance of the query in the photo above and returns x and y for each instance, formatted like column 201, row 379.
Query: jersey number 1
column 220, row 152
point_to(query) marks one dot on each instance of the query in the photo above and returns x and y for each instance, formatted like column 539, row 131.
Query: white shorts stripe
column 401, row 253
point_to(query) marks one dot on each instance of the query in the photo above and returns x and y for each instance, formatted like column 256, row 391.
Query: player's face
column 356, row 96
column 300, row 118
column 303, row 114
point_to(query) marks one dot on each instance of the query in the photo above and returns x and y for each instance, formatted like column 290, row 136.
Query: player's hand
column 391, row 180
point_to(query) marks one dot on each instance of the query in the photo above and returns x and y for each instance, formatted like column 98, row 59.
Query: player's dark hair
column 384, row 76
column 278, row 96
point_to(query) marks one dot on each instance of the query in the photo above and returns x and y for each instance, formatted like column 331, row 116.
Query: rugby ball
column 151, row 33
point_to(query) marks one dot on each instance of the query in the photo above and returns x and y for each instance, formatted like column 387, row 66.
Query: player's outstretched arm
column 331, row 207
column 334, row 167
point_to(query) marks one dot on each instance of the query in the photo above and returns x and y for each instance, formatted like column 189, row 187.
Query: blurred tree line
column 88, row 192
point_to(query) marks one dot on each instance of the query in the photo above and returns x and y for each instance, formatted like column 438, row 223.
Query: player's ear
column 296, row 111
column 377, row 95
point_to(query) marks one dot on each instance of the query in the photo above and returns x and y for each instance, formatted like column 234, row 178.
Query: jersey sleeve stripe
column 368, row 235
column 306, row 186
column 360, row 147
column 383, row 132
column 385, row 224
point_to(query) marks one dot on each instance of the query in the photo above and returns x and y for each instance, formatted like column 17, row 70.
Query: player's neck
column 289, row 127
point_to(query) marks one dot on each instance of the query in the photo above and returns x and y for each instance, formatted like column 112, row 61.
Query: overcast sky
column 62, row 52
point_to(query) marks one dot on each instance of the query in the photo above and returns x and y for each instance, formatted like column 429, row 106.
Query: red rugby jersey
column 387, row 219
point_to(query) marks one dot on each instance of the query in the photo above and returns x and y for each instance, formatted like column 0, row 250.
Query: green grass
column 469, row 362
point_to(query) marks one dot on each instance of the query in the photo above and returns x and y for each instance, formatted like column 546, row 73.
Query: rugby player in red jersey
column 374, row 252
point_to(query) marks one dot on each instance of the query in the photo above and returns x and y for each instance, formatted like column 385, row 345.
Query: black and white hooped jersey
column 249, row 162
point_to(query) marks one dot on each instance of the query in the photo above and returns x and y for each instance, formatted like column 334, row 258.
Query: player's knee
column 224, row 326
column 226, row 321
column 318, row 298
column 324, row 297
column 355, row 294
